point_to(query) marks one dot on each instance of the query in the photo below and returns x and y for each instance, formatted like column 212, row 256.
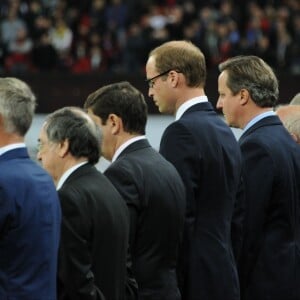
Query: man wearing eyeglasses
column 95, row 224
column 206, row 154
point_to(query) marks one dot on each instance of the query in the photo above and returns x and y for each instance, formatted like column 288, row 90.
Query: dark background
column 56, row 90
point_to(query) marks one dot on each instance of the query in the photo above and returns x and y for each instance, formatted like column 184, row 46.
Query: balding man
column 95, row 226
column 290, row 117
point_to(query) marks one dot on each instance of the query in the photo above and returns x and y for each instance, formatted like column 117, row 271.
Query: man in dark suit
column 95, row 226
column 30, row 215
column 269, row 260
column 150, row 185
column 204, row 151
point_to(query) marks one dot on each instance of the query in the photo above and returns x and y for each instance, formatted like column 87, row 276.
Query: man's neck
column 254, row 113
column 187, row 94
column 10, row 138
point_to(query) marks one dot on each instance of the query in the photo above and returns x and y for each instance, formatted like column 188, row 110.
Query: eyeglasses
column 41, row 145
column 151, row 81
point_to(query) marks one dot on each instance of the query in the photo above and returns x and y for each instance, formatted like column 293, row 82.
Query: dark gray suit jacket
column 94, row 238
column 206, row 154
column 269, row 263
column 155, row 196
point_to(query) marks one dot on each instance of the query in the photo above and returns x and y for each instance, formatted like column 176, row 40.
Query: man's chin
column 229, row 123
column 165, row 111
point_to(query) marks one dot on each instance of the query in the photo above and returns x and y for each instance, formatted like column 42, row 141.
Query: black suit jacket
column 155, row 196
column 206, row 154
column 94, row 238
column 269, row 264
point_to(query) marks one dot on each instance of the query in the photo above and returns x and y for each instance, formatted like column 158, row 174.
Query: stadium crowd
column 115, row 36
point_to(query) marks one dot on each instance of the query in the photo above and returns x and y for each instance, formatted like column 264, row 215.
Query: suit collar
column 67, row 174
column 79, row 171
column 15, row 153
column 204, row 106
column 135, row 146
column 267, row 121
column 125, row 145
column 186, row 105
column 258, row 118
column 11, row 147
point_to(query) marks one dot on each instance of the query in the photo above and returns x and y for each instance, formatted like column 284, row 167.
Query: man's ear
column 174, row 78
column 63, row 148
column 115, row 123
column 245, row 96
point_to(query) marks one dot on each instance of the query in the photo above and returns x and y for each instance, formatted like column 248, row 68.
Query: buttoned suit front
column 30, row 220
column 269, row 262
column 94, row 242
column 206, row 154
column 154, row 194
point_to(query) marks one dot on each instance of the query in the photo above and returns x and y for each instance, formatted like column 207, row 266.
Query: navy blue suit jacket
column 206, row 154
column 269, row 263
column 30, row 221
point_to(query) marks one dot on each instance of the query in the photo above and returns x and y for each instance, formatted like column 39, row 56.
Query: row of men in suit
column 86, row 225
column 211, row 220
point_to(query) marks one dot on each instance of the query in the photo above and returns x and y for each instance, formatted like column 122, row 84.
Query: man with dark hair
column 269, row 260
column 30, row 215
column 95, row 227
column 150, row 186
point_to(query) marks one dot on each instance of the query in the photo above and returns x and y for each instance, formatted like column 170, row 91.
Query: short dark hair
column 74, row 125
column 121, row 99
column 253, row 74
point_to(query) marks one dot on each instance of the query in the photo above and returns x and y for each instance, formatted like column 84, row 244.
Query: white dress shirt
column 186, row 105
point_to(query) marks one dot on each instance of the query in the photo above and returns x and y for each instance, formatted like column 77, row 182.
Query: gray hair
column 290, row 117
column 17, row 105
column 295, row 100
column 76, row 126
column 292, row 124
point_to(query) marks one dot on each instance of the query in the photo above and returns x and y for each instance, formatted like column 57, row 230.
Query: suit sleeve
column 74, row 270
column 258, row 174
column 237, row 222
column 125, row 184
column 178, row 147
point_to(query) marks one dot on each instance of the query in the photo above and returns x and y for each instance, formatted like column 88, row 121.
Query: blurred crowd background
column 115, row 36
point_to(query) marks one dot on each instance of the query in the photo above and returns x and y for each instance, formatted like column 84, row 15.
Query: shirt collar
column 11, row 147
column 65, row 176
column 125, row 145
column 258, row 118
column 186, row 105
